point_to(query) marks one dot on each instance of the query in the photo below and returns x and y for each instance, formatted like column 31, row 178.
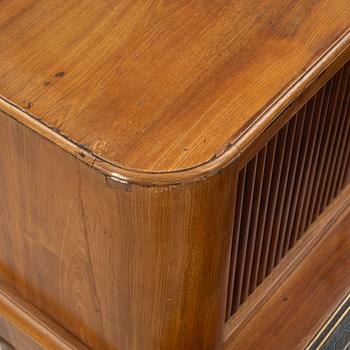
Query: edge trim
column 231, row 152
column 31, row 322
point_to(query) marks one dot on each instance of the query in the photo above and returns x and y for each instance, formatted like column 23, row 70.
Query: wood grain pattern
column 159, row 86
column 14, row 338
column 334, row 334
column 120, row 266
column 320, row 228
column 277, row 215
column 124, row 129
column 295, row 312
column 26, row 328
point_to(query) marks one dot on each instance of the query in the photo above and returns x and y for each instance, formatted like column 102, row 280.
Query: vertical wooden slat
column 345, row 180
column 235, row 239
column 281, row 144
column 254, row 222
column 244, row 231
column 347, row 174
column 335, row 140
column 320, row 160
column 275, row 236
column 323, row 150
column 328, row 143
column 345, row 160
column 310, row 149
column 288, row 184
column 298, row 180
column 321, row 116
column 342, row 139
column 269, row 165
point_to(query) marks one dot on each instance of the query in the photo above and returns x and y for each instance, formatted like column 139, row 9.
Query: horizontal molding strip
column 38, row 327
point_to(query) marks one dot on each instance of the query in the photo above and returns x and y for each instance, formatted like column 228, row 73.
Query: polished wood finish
column 162, row 86
column 25, row 327
column 118, row 265
column 11, row 338
column 280, row 190
column 125, row 128
column 334, row 334
column 318, row 230
column 297, row 310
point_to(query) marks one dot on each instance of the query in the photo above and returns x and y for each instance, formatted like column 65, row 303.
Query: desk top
column 160, row 86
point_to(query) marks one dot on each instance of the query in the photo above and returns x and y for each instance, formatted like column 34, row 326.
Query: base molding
column 27, row 322
column 334, row 333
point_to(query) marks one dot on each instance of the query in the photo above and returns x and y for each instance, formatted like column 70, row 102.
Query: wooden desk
column 165, row 165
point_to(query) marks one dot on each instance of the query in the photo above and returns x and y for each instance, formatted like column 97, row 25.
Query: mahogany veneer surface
column 160, row 86
column 124, row 126
column 12, row 337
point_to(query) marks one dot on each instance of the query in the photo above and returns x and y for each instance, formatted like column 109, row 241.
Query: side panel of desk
column 119, row 265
